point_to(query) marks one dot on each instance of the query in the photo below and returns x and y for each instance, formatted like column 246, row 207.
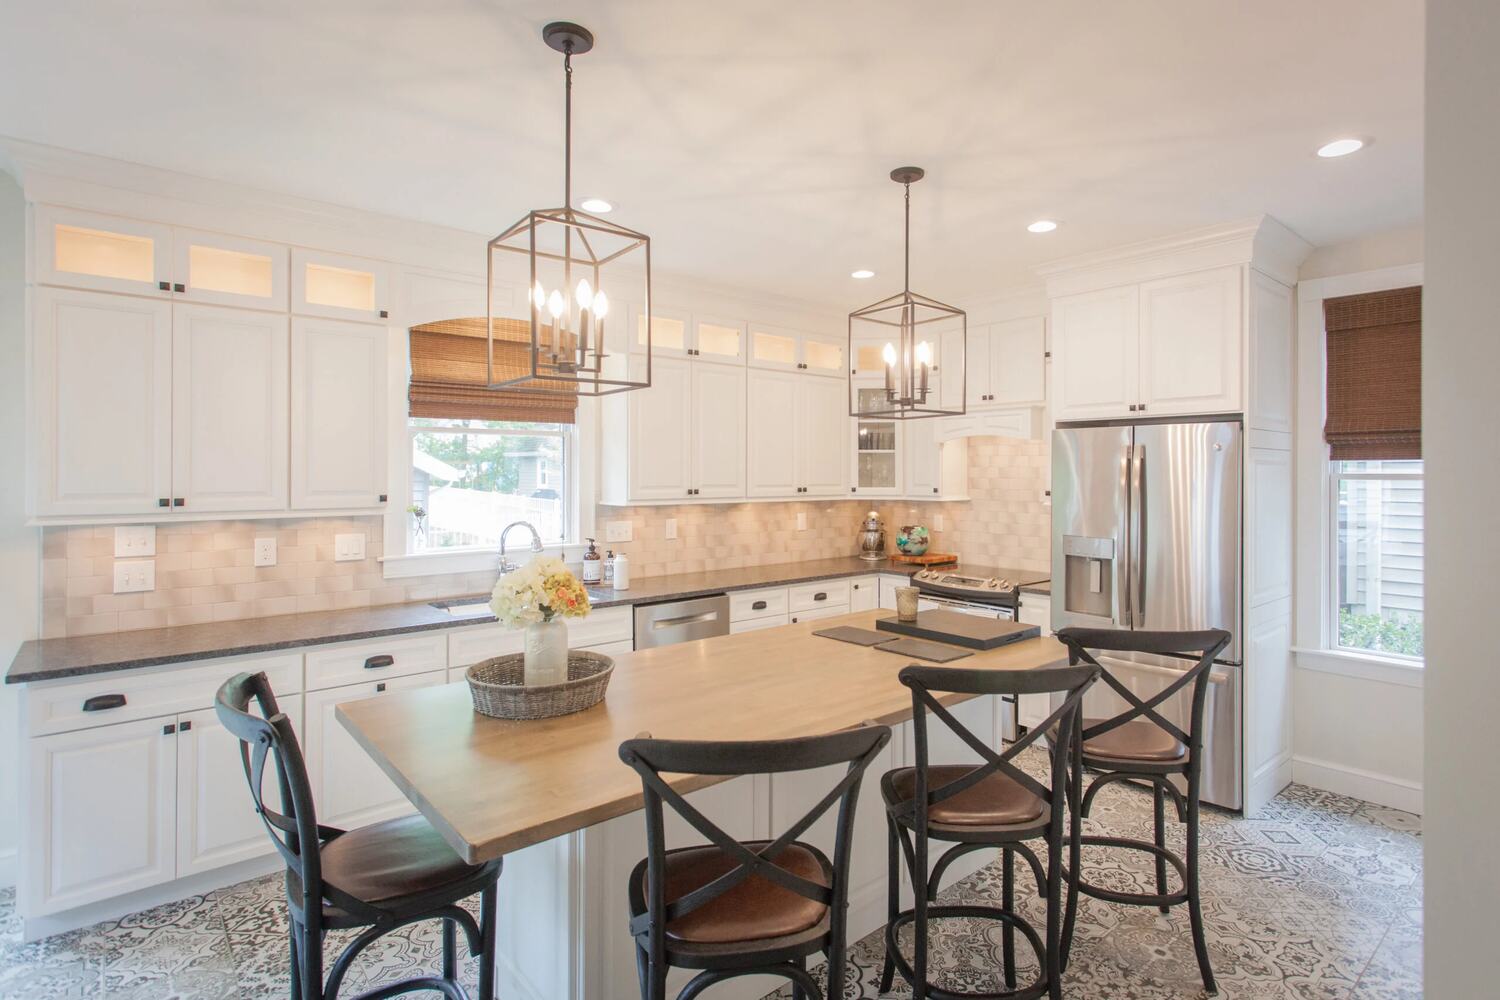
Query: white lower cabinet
column 817, row 614
column 102, row 816
column 1036, row 609
column 217, row 824
column 888, row 587
column 755, row 624
column 348, row 786
column 864, row 593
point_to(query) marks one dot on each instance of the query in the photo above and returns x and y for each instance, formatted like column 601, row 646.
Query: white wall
column 1387, row 249
column 19, row 548
column 1461, row 448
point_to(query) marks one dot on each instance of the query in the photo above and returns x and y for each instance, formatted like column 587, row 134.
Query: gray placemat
column 923, row 650
column 858, row 636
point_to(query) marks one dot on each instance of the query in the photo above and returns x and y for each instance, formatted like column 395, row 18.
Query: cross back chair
column 732, row 908
column 1140, row 745
column 379, row 877
column 994, row 804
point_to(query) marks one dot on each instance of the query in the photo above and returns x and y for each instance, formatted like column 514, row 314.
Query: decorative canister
column 912, row 540
column 906, row 603
column 546, row 653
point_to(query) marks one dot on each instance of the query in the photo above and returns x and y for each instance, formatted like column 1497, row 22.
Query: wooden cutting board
column 925, row 559
column 960, row 629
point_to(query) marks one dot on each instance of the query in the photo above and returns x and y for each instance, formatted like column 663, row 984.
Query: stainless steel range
column 987, row 591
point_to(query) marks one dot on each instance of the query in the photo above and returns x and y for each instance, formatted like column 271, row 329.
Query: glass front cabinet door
column 877, row 447
column 101, row 252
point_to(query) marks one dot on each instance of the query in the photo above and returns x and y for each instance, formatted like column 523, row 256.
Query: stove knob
column 992, row 583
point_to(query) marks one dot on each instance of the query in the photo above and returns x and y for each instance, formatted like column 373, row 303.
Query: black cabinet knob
column 164, row 502
column 382, row 498
column 184, row 727
column 179, row 502
column 179, row 287
column 164, row 286
column 380, row 687
column 168, row 729
column 385, row 314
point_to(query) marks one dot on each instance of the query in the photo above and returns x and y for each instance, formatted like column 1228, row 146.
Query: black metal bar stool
column 737, row 909
column 990, row 805
column 1140, row 745
column 379, row 877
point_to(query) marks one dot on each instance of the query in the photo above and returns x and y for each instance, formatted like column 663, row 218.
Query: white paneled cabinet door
column 229, row 421
column 348, row 786
column 924, row 458
column 661, row 432
column 339, row 287
column 120, row 779
column 102, row 252
column 1095, row 354
column 1190, row 342
column 772, row 427
column 864, row 594
column 823, row 433
column 103, row 403
column 1017, row 362
column 338, row 409
column 217, row 823
column 717, row 427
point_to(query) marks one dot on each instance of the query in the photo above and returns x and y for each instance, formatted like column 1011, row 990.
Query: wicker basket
column 498, row 686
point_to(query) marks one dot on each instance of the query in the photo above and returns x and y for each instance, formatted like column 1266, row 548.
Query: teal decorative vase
column 912, row 540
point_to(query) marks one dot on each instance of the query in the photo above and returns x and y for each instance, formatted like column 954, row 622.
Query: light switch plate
column 265, row 552
column 135, row 540
column 135, row 575
column 801, row 520
column 671, row 531
column 619, row 531
column 347, row 548
column 937, row 522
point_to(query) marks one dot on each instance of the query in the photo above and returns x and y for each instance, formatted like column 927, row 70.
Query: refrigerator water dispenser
column 1088, row 575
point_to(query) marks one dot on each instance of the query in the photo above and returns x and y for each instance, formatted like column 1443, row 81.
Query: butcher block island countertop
column 493, row 787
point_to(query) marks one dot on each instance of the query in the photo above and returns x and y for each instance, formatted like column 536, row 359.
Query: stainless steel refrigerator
column 1146, row 535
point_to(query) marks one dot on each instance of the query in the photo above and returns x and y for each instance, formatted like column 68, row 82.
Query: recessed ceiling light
column 862, row 273
column 1041, row 226
column 1341, row 147
column 595, row 205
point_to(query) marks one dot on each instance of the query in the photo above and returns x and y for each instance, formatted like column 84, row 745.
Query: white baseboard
column 1382, row 789
column 9, row 868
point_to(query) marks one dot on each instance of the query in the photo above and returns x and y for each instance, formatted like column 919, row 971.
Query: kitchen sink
column 464, row 607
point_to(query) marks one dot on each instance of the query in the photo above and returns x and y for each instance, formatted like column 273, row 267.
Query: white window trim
column 1315, row 622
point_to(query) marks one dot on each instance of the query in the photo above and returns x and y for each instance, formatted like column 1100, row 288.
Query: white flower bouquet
column 538, row 592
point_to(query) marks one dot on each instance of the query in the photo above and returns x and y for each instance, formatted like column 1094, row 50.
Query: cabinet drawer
column 745, row 604
column 808, row 596
column 819, row 612
column 755, row 624
column 64, row 705
column 376, row 660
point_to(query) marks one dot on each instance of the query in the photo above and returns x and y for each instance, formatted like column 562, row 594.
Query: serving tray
column 960, row 629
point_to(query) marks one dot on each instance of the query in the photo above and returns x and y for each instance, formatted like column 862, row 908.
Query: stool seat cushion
column 391, row 860
column 1137, row 740
column 754, row 910
column 997, row 800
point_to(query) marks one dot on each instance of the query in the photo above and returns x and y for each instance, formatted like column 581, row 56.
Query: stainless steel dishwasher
column 681, row 621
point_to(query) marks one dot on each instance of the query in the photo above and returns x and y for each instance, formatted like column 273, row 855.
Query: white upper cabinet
column 823, row 357
column 822, row 430
column 671, row 332
column 659, row 445
column 339, row 287
column 1095, row 351
column 229, row 420
column 228, row 270
column 718, row 340
column 103, row 403
column 1191, row 343
column 781, row 349
column 876, row 454
column 717, row 427
column 102, row 252
column 1015, row 363
column 924, row 461
column 772, row 429
column 338, row 428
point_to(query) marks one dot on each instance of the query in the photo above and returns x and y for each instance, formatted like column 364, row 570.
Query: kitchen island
column 553, row 797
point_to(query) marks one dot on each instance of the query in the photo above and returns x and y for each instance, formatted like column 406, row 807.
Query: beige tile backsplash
column 205, row 571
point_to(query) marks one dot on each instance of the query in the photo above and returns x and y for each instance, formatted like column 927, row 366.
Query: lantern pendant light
column 558, row 282
column 906, row 330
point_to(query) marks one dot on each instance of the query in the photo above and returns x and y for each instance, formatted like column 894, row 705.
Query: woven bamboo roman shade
column 1374, row 375
column 449, row 376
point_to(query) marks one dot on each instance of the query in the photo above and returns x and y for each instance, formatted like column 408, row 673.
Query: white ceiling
column 752, row 141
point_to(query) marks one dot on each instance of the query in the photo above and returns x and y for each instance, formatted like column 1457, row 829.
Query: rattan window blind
column 449, row 375
column 1374, row 375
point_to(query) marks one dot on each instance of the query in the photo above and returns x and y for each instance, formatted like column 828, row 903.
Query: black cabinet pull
column 1143, row 407
column 382, row 498
column 758, row 606
column 178, row 502
column 934, row 489
column 385, row 314
column 168, row 729
column 1132, row 407
column 164, row 286
column 820, row 596
column 183, row 727
column 164, row 502
column 179, row 287
column 383, row 660
column 380, row 687
column 103, row 702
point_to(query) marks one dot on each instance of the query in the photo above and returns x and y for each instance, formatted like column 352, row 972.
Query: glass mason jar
column 546, row 655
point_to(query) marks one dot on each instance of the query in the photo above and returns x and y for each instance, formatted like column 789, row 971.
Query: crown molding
column 1262, row 242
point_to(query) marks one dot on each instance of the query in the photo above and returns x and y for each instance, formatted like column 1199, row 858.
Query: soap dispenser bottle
column 593, row 565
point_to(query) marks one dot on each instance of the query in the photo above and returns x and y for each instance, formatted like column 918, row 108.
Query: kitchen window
column 1377, row 562
column 470, row 478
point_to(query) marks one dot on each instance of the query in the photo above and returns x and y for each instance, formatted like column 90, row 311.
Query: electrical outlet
column 671, row 528
column 801, row 520
column 619, row 531
column 135, row 540
column 937, row 522
column 1046, row 498
column 135, row 575
column 265, row 552
column 348, row 548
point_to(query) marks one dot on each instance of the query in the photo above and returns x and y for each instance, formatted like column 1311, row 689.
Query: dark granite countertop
column 1044, row 588
column 49, row 659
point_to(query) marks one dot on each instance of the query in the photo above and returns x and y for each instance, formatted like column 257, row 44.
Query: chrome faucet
column 536, row 543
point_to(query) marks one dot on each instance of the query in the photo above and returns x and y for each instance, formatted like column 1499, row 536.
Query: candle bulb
column 889, row 356
column 924, row 356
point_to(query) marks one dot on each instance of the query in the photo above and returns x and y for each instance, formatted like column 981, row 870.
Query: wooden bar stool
column 990, row 805
column 737, row 909
column 379, row 877
column 1140, row 745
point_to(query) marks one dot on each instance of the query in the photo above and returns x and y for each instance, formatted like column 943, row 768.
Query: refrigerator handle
column 1138, row 536
column 1126, row 576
